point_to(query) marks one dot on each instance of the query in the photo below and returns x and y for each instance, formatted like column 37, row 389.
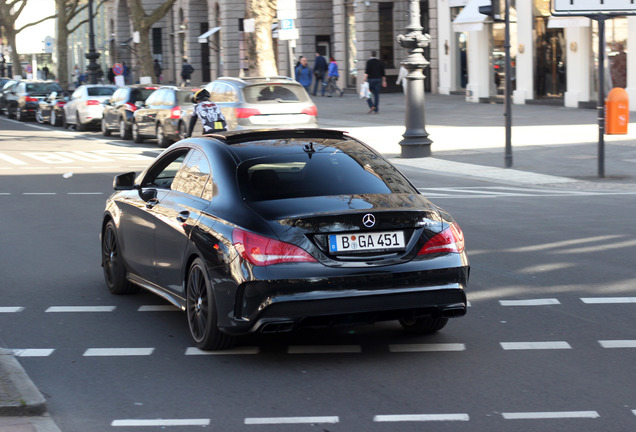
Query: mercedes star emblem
column 368, row 220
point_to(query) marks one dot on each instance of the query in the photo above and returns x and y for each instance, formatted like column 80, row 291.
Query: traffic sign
column 118, row 69
column 48, row 45
column 287, row 24
column 28, row 68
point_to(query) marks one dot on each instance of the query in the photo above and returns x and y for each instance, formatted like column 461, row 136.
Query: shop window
column 387, row 36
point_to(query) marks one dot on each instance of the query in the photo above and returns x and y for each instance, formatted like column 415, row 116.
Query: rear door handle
column 183, row 216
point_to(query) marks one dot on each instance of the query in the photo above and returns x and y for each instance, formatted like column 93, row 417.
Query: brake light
column 175, row 113
column 30, row 99
column 92, row 102
column 451, row 240
column 312, row 111
column 128, row 106
column 263, row 251
column 246, row 112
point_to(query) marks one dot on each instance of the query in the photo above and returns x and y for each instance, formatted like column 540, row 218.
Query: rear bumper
column 287, row 305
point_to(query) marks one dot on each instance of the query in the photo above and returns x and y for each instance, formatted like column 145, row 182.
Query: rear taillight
column 92, row 102
column 175, row 113
column 246, row 112
column 30, row 99
column 263, row 251
column 451, row 240
column 130, row 107
column 312, row 111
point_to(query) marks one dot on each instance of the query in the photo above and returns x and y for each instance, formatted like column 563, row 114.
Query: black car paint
column 251, row 298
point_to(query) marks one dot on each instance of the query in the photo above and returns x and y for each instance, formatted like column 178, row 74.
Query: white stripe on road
column 531, row 302
column 233, row 351
column 618, row 343
column 55, row 309
column 608, row 300
column 550, row 415
column 158, row 308
column 118, row 352
column 33, row 352
column 39, row 193
column 401, row 348
column 510, row 346
column 11, row 309
column 324, row 349
column 421, row 417
column 160, row 422
column 290, row 420
column 85, row 193
column 12, row 160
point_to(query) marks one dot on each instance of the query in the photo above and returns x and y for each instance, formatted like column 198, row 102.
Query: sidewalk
column 550, row 144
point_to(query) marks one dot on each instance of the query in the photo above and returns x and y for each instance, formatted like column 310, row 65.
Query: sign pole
column 601, row 94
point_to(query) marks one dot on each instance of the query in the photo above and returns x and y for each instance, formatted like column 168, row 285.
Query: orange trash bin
column 616, row 112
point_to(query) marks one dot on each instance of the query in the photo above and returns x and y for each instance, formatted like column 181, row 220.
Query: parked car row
column 148, row 111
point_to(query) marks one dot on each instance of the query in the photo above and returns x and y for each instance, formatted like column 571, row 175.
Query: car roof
column 242, row 136
column 245, row 81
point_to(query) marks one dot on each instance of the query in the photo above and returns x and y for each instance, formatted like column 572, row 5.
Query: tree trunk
column 260, row 49
column 10, row 33
column 61, row 68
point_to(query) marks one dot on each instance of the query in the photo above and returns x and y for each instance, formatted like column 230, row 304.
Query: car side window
column 193, row 176
column 152, row 99
column 163, row 174
column 77, row 94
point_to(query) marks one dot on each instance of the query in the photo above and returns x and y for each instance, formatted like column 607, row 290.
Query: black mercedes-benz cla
column 275, row 230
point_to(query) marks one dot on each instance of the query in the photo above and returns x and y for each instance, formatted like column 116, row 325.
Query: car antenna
column 309, row 148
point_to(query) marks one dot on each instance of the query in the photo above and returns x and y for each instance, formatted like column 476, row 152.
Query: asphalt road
column 547, row 344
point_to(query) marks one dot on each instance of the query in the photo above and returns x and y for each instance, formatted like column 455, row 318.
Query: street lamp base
column 415, row 147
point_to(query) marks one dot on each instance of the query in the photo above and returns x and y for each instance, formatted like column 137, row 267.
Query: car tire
column 105, row 130
column 136, row 136
column 162, row 139
column 424, row 325
column 78, row 122
column 18, row 114
column 38, row 116
column 113, row 263
column 53, row 119
column 201, row 310
column 124, row 131
column 64, row 122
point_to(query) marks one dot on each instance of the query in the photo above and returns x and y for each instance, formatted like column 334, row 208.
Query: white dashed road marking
column 511, row 346
column 531, row 302
column 550, row 415
column 608, row 300
column 160, row 422
column 402, row 348
column 233, row 351
column 11, row 309
column 118, row 352
column 55, row 309
column 618, row 343
column 33, row 352
column 324, row 349
column 421, row 417
column 290, row 420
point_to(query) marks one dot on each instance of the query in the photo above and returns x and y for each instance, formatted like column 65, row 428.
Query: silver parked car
column 263, row 102
column 87, row 105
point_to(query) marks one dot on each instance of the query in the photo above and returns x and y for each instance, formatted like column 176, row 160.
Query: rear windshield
column 140, row 94
column 100, row 91
column 324, row 173
column 272, row 93
column 44, row 87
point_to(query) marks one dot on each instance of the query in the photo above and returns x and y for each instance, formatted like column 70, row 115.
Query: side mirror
column 124, row 181
column 106, row 102
column 139, row 104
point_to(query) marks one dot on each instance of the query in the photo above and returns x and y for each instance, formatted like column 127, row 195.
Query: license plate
column 390, row 240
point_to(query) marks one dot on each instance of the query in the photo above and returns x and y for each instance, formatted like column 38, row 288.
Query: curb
column 18, row 395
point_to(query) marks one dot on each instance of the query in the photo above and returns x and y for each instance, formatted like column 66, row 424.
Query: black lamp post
column 416, row 142
column 92, row 55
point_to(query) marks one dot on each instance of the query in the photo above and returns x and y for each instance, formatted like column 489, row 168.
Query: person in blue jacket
column 304, row 73
column 332, row 78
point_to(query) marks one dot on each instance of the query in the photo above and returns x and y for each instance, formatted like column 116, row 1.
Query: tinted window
column 140, row 94
column 42, row 87
column 264, row 93
column 326, row 173
column 153, row 98
column 164, row 172
column 185, row 97
column 193, row 175
column 100, row 91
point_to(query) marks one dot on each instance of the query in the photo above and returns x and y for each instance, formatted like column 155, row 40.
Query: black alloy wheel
column 424, row 325
column 113, row 263
column 38, row 116
column 136, row 136
column 53, row 119
column 79, row 126
column 201, row 310
column 124, row 131
column 18, row 114
column 162, row 139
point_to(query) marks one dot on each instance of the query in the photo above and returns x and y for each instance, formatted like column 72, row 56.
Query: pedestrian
column 45, row 71
column 304, row 73
column 158, row 71
column 320, row 70
column 375, row 76
column 332, row 78
column 76, row 76
column 401, row 78
column 111, row 76
column 186, row 73
column 126, row 73
column 212, row 118
column 619, row 68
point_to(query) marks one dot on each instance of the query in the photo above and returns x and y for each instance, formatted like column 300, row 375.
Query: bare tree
column 10, row 11
column 260, row 49
column 142, row 23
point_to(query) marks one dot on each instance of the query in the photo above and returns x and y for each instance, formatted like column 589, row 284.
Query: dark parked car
column 119, row 109
column 7, row 86
column 22, row 99
column 51, row 108
column 270, row 231
column 160, row 114
column 263, row 102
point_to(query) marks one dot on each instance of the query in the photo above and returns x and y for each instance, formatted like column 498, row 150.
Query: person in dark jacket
column 320, row 70
column 158, row 71
column 375, row 76
column 186, row 73
column 211, row 116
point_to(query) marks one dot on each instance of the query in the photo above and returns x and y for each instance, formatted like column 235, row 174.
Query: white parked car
column 87, row 105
